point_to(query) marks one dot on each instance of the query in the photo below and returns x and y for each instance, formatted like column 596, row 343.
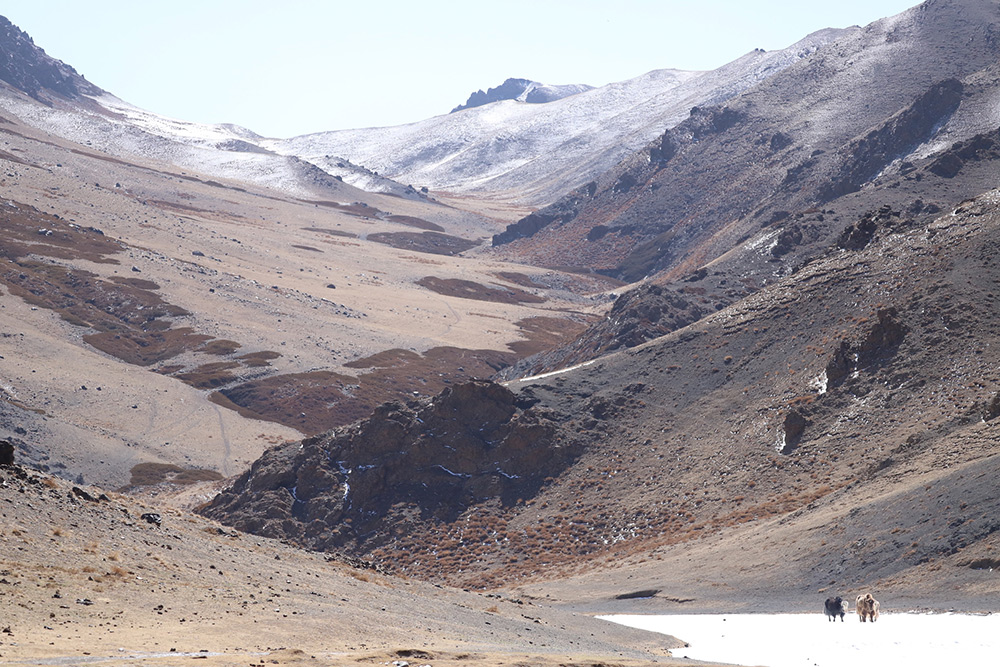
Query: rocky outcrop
column 405, row 467
column 29, row 69
column 522, row 90
column 866, row 156
column 879, row 344
column 984, row 146
column 792, row 428
column 563, row 210
column 858, row 235
column 6, row 453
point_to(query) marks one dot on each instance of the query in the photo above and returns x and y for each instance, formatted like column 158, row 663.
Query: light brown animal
column 867, row 607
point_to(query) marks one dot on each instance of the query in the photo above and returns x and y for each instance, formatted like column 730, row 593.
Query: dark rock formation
column 27, row 68
column 858, row 235
column 405, row 466
column 565, row 209
column 523, row 90
column 793, row 427
column 83, row 495
column 984, row 146
column 878, row 345
column 152, row 518
column 6, row 453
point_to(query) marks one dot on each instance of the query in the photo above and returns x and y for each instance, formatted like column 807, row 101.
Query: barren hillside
column 857, row 396
column 752, row 365
column 150, row 311
column 86, row 579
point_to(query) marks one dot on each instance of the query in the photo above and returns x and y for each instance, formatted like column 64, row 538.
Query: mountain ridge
column 534, row 153
column 29, row 69
column 666, row 210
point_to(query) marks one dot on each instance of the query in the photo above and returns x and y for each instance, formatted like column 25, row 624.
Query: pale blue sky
column 288, row 67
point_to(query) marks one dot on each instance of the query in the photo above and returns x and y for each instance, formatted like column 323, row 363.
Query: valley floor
column 89, row 581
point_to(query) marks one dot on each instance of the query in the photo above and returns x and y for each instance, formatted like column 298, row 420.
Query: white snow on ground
column 809, row 640
column 221, row 151
column 550, row 373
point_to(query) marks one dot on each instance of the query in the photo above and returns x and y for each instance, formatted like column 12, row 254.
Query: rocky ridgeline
column 405, row 467
column 29, row 69
column 523, row 90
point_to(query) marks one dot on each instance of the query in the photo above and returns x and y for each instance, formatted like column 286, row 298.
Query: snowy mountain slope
column 221, row 151
column 225, row 151
column 533, row 153
column 825, row 133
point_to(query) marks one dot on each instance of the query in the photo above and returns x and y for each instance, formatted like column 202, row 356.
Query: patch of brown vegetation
column 145, row 348
column 151, row 474
column 129, row 320
column 28, row 231
column 467, row 289
column 518, row 279
column 545, row 333
column 330, row 232
column 220, row 347
column 210, row 376
column 419, row 223
column 305, row 401
column 434, row 243
column 137, row 283
column 359, row 209
column 259, row 359
column 318, row 401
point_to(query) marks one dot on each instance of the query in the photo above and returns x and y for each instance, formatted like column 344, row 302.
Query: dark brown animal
column 867, row 607
column 835, row 607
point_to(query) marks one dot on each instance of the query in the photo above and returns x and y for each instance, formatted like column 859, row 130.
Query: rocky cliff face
column 403, row 469
column 27, row 68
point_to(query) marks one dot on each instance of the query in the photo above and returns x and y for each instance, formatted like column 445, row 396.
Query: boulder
column 6, row 453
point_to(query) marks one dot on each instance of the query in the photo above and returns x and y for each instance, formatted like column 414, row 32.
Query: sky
column 291, row 67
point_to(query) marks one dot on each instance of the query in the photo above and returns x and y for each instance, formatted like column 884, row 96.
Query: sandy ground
column 91, row 582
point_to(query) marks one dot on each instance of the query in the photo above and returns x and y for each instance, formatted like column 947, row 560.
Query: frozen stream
column 809, row 640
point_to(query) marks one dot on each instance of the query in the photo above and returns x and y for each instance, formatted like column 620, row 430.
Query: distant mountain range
column 530, row 153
